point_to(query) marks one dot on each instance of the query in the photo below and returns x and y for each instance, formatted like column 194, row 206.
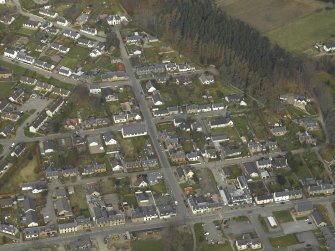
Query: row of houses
column 43, row 117
column 160, row 68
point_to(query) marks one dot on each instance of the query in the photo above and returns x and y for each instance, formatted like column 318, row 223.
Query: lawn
column 159, row 187
column 166, row 126
column 242, row 126
column 235, row 170
column 305, row 32
column 314, row 164
column 148, row 245
column 295, row 112
column 6, row 90
column 229, row 131
column 284, row 241
column 264, row 224
column 324, row 212
column 258, row 125
column 283, row 216
column 133, row 147
column 77, row 200
column 202, row 244
column 25, row 169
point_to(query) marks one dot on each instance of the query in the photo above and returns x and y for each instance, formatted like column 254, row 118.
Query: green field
column 283, row 216
column 284, row 241
column 303, row 33
column 148, row 245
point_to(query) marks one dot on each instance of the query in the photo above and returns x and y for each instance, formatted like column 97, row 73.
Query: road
column 133, row 227
column 151, row 127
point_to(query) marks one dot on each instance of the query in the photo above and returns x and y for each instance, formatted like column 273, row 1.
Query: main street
column 226, row 213
column 151, row 127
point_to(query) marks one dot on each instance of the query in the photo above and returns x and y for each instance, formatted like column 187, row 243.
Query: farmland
column 285, row 22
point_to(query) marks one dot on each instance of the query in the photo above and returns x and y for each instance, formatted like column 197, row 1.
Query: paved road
column 167, row 171
column 225, row 214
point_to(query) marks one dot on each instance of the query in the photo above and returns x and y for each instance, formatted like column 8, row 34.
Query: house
column 133, row 130
column 83, row 18
column 78, row 140
column 281, row 196
column 6, row 19
column 156, row 98
column 10, row 53
column 109, row 94
column 67, row 228
column 31, row 233
column 210, row 154
column 306, row 138
column 114, row 76
column 120, row 118
column 10, row 116
column 23, row 57
column 309, row 124
column 218, row 138
column 166, row 210
column 278, row 131
column 16, row 94
column 247, row 242
column 251, row 169
column 7, row 202
column 204, row 108
column 231, row 151
column 143, row 214
column 71, row 34
column 185, row 67
column 183, row 80
column 150, row 88
column 3, row 105
column 221, row 122
column 218, row 106
column 255, row 147
column 42, row 86
column 61, row 48
column 48, row 13
column 264, row 199
column 4, row 73
column 322, row 189
column 303, row 208
column 8, row 129
column 30, row 219
column 18, row 150
column 271, row 145
column 279, row 162
column 160, row 113
column 202, row 204
column 178, row 157
column 264, row 163
column 89, row 30
column 154, row 177
column 64, row 71
column 86, row 42
column 8, row 229
column 192, row 156
column 35, row 187
column 206, row 78
column 28, row 80
column 162, row 79
column 62, row 21
column 47, row 146
column 264, row 174
column 60, row 193
column 44, row 65
column 113, row 20
column 55, row 106
column 61, row 92
column 117, row 165
column 95, row 144
column 318, row 219
column 29, row 204
column 196, row 126
column 95, row 167
column 31, row 24
column 173, row 110
column 51, row 173
column 63, row 208
column 109, row 138
column 242, row 182
column 95, row 89
column 191, row 109
column 134, row 38
column 234, row 98
column 329, row 47
column 171, row 66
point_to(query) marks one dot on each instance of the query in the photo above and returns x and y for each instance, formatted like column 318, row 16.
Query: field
column 266, row 15
column 294, row 24
column 148, row 245
column 284, row 241
column 283, row 216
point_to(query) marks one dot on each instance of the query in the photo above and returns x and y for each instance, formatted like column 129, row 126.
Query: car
column 12, row 145
column 309, row 222
column 206, row 233
column 176, row 203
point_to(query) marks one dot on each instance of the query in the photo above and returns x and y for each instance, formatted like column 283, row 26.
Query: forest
column 206, row 34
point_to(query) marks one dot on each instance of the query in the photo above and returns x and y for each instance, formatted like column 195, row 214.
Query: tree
column 112, row 41
column 281, row 180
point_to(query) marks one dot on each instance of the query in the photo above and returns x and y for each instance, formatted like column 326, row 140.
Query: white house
column 10, row 53
column 3, row 1
column 120, row 118
column 329, row 47
column 95, row 89
column 133, row 130
column 109, row 138
column 48, row 13
column 62, row 21
column 64, row 71
column 89, row 30
column 114, row 20
column 206, row 79
column 281, row 196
